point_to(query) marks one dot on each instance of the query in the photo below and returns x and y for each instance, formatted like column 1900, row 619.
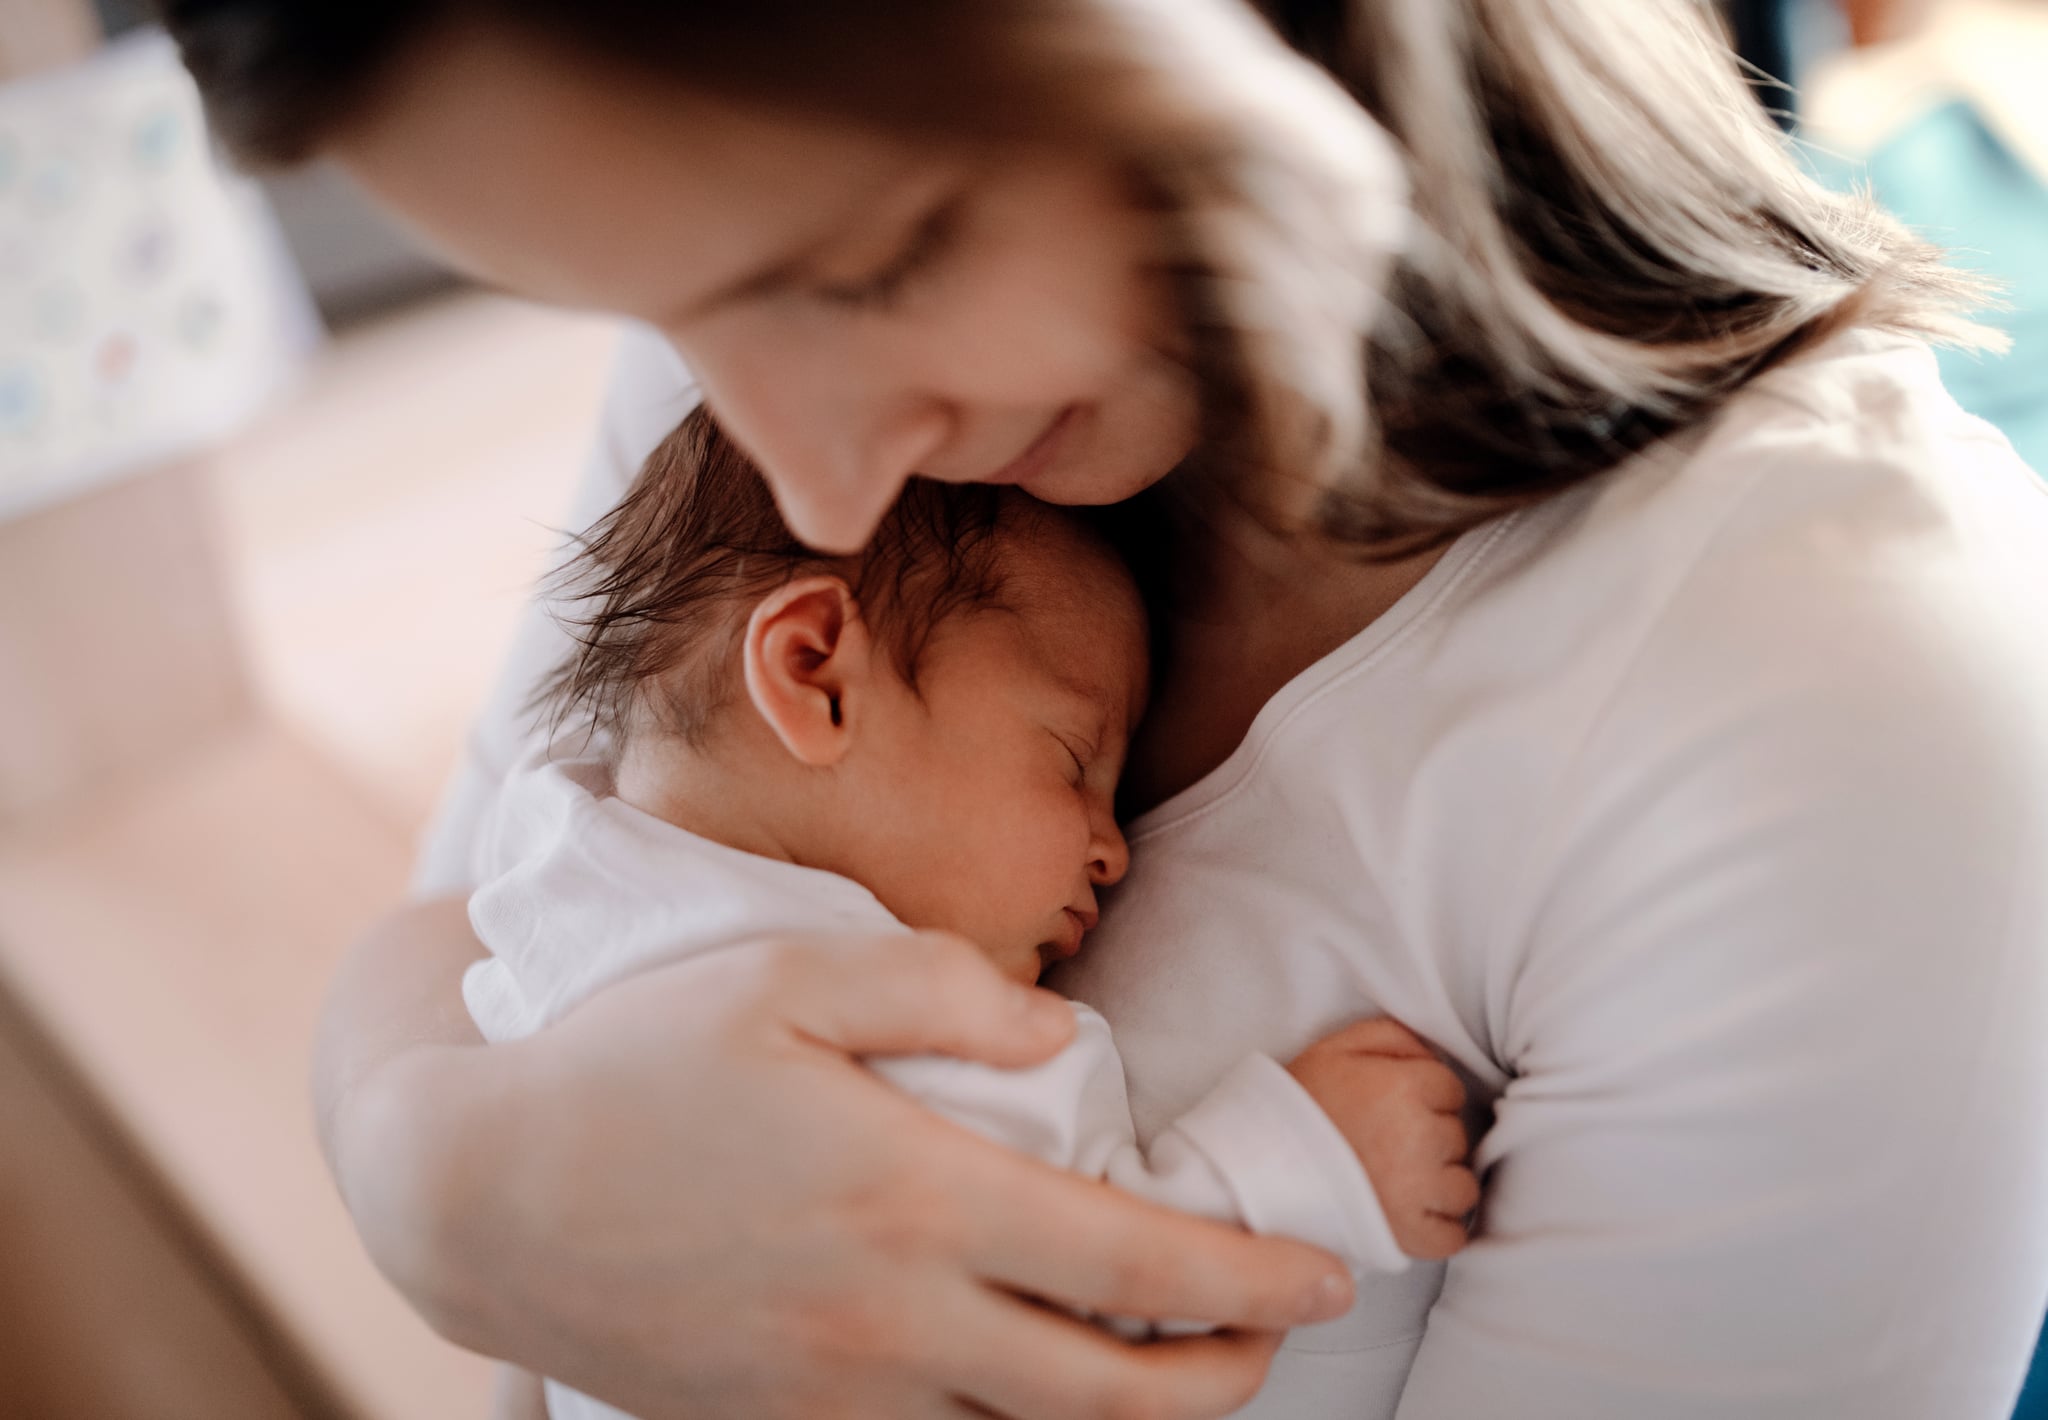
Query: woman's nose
column 835, row 485
column 835, row 439
column 833, row 515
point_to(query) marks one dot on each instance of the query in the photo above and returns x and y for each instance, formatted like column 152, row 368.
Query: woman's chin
column 1099, row 471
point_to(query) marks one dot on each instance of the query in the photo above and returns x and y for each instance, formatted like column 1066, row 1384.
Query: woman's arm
column 688, row 1200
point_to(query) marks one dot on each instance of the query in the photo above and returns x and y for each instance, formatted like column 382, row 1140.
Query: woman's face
column 859, row 307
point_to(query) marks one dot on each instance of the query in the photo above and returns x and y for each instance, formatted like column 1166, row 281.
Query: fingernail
column 1331, row 1298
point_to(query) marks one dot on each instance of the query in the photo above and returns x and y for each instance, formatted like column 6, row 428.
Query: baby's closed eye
column 1080, row 753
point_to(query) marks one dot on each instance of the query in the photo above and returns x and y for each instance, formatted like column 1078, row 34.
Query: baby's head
column 941, row 718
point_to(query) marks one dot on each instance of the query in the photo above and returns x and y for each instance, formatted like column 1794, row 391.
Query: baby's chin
column 1026, row 960
column 1025, row 966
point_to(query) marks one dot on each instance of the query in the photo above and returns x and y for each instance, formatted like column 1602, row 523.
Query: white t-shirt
column 581, row 891
column 1700, row 814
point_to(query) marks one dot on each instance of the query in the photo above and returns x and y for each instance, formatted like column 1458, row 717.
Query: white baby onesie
column 582, row 891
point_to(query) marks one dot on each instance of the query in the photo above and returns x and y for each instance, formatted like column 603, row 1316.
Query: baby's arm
column 1357, row 1149
column 1401, row 1110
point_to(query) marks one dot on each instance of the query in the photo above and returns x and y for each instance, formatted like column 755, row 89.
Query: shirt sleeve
column 649, row 392
column 1257, row 1151
column 1776, row 1141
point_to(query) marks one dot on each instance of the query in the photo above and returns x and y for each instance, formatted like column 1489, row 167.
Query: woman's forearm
column 394, row 1087
column 689, row 1199
column 399, row 988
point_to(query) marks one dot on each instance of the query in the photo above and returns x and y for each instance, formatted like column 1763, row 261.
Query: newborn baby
column 926, row 735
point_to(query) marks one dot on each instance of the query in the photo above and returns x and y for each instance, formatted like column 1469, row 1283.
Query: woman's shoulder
column 1861, row 434
column 1842, row 561
column 1809, row 721
column 1876, row 396
column 1849, row 493
column 1843, row 491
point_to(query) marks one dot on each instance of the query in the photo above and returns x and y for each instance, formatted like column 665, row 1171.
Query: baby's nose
column 1111, row 857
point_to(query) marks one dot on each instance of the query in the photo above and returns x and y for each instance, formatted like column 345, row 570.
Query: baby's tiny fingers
column 1456, row 1193
column 1445, row 1140
column 1383, row 1035
column 1439, row 1088
column 1432, row 1239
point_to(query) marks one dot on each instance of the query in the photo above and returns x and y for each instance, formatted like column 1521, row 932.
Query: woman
column 1609, row 652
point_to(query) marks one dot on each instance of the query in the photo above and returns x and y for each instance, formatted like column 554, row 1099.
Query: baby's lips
column 1080, row 922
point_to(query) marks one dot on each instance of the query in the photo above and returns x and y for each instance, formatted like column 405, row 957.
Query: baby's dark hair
column 659, row 591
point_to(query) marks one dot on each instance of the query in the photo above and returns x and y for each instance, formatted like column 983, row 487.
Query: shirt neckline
column 1357, row 655
column 664, row 840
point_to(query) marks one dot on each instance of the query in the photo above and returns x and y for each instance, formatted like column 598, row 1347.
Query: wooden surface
column 118, row 644
column 179, row 874
column 107, row 1309
column 173, row 940
column 383, row 529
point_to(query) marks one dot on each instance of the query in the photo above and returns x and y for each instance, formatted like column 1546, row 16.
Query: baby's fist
column 1399, row 1107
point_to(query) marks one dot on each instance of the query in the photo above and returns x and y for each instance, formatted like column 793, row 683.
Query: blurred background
column 273, row 490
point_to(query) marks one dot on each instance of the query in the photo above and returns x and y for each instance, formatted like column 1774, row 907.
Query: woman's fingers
column 1038, row 1364
column 1074, row 1242
column 914, row 993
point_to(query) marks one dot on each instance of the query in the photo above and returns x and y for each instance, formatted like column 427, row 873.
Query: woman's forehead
column 595, row 186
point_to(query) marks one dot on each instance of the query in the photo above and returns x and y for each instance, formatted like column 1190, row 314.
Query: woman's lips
column 1040, row 453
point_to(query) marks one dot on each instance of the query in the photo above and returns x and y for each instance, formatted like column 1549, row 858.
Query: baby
column 927, row 734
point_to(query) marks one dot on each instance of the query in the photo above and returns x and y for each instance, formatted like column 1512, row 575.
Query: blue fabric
column 1947, row 176
column 2034, row 1399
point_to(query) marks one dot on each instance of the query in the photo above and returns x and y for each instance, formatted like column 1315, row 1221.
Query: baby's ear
column 808, row 657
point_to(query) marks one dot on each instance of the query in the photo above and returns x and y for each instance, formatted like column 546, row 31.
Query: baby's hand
column 1398, row 1105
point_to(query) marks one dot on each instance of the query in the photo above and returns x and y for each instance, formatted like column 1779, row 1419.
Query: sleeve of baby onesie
column 1256, row 1151
column 649, row 393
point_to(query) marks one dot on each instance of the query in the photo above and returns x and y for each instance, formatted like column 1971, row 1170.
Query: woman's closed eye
column 927, row 243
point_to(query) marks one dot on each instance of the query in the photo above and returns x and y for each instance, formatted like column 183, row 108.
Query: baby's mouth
column 1068, row 942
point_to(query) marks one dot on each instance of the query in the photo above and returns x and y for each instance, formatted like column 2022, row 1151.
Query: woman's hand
column 688, row 1200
